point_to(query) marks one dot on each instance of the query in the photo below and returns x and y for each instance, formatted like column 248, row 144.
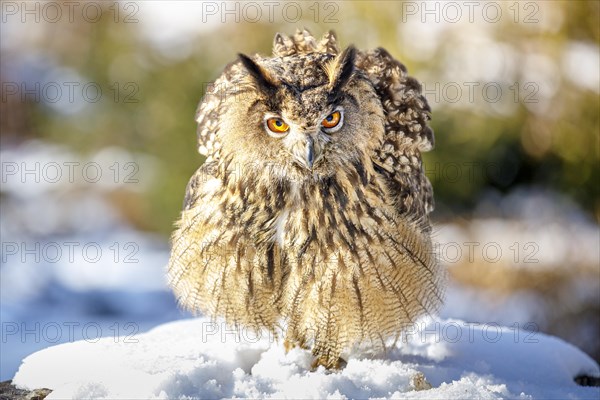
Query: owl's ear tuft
column 328, row 43
column 263, row 78
column 340, row 70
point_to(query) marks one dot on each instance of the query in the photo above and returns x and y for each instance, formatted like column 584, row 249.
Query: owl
column 309, row 217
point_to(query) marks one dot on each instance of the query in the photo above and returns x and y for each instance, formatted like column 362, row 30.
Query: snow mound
column 197, row 358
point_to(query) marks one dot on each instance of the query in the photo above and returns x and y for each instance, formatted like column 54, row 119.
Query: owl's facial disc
column 304, row 115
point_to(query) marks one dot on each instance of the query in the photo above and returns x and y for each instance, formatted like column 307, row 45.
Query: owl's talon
column 339, row 364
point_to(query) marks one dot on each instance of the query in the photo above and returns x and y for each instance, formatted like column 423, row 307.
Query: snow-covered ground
column 200, row 359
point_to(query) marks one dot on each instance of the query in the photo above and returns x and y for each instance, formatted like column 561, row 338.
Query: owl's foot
column 329, row 364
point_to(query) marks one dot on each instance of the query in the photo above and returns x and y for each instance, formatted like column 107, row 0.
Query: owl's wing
column 407, row 133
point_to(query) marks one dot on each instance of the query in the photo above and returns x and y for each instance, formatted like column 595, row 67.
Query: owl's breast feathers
column 254, row 231
column 265, row 208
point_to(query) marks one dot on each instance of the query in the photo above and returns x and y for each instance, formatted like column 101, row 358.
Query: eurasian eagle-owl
column 310, row 214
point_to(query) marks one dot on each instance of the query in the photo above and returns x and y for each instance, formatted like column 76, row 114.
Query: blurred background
column 98, row 142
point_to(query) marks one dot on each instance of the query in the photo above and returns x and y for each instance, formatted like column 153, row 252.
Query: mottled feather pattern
column 329, row 257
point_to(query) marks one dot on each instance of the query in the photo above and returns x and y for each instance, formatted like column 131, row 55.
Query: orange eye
column 277, row 125
column 332, row 120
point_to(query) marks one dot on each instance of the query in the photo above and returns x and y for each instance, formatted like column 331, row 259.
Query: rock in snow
column 199, row 359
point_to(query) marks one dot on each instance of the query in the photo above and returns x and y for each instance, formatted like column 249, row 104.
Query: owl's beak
column 306, row 150
column 310, row 152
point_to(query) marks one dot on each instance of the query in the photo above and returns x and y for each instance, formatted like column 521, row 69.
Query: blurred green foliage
column 552, row 143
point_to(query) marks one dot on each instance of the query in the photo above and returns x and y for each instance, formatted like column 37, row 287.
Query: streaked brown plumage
column 322, row 233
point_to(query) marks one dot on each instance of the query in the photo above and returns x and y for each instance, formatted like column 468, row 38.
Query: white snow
column 197, row 358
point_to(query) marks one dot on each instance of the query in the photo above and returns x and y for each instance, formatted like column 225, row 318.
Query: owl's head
column 305, row 112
